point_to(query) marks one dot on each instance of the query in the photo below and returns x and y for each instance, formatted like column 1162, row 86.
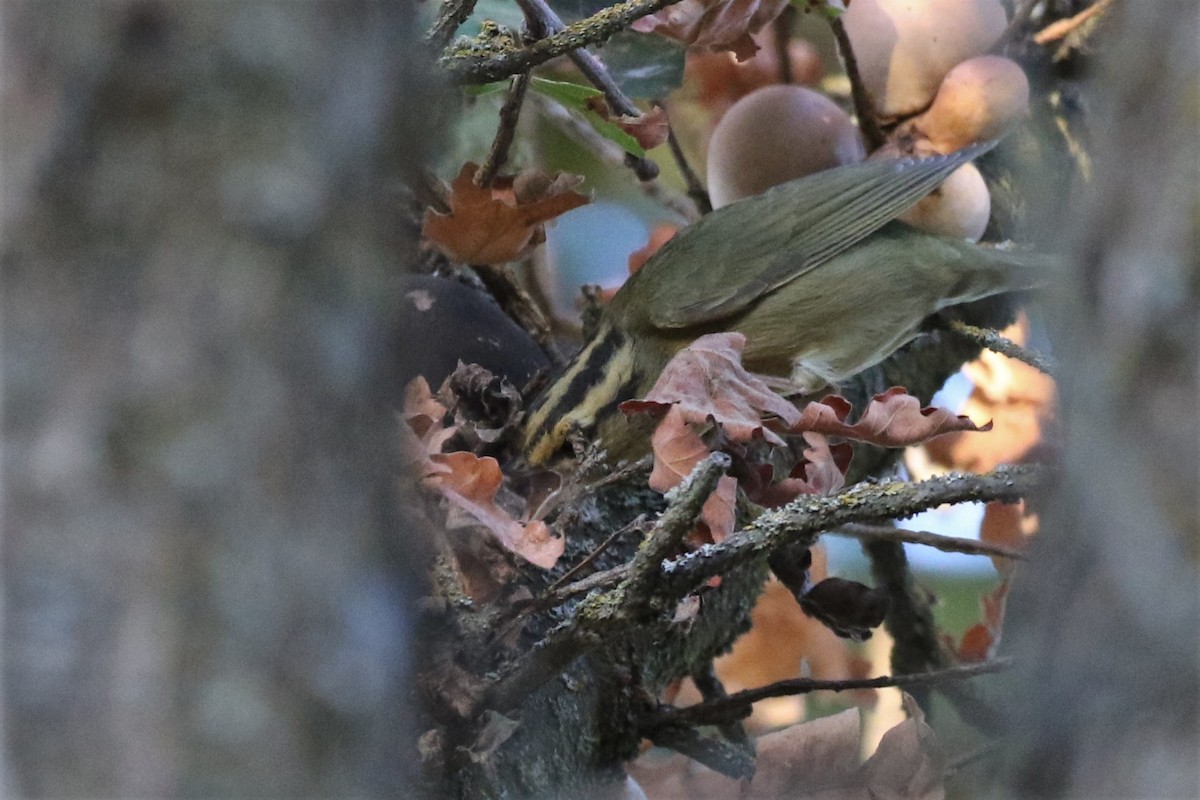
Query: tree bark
column 207, row 575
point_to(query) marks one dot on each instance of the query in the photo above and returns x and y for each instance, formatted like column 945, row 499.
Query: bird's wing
column 754, row 246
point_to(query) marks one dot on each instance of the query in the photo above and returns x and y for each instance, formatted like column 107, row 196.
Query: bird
column 816, row 273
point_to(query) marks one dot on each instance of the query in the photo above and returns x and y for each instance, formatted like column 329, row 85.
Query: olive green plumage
column 815, row 273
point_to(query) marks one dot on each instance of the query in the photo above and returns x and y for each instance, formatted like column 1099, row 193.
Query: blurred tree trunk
column 206, row 577
column 1106, row 617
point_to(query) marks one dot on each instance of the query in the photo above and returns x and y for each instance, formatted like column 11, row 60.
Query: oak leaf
column 980, row 641
column 706, row 380
column 650, row 128
column 502, row 222
column 470, row 484
column 714, row 25
column 892, row 419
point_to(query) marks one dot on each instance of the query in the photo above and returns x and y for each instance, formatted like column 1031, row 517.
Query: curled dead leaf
column 502, row 222
column 892, row 419
column 707, row 380
column 470, row 484
column 714, row 25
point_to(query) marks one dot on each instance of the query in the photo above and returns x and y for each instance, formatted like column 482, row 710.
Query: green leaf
column 643, row 65
column 575, row 97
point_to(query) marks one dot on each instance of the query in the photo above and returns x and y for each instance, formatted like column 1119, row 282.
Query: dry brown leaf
column 1007, row 525
column 677, row 449
column 892, row 419
column 811, row 757
column 714, row 24
column 719, row 511
column 425, row 431
column 707, row 380
column 908, row 764
column 658, row 237
column 502, row 222
column 980, row 641
column 815, row 760
column 721, row 80
column 470, row 484
column 848, row 608
column 650, row 128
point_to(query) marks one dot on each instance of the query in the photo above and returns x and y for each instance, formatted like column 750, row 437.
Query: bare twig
column 994, row 341
column 734, row 759
column 451, row 15
column 737, row 706
column 864, row 107
column 947, row 544
column 782, row 30
column 510, row 113
column 695, row 189
column 480, row 64
column 1064, row 27
column 592, row 556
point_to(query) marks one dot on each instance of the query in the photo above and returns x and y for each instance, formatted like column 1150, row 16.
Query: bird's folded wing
column 749, row 248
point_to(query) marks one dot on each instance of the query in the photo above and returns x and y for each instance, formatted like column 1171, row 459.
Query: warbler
column 816, row 273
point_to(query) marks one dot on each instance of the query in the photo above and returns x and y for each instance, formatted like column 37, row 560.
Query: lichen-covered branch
column 1004, row 346
column 806, row 518
column 476, row 62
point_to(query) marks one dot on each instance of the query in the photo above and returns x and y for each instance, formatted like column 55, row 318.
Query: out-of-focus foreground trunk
column 206, row 576
column 1106, row 617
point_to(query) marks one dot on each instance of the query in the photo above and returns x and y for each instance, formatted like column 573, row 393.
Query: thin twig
column 738, row 705
column 782, row 30
column 947, row 544
column 510, row 113
column 711, row 689
column 1007, row 347
column 451, row 16
column 695, row 189
column 864, row 107
column 1064, row 27
column 597, row 74
column 623, row 605
column 592, row 556
column 480, row 64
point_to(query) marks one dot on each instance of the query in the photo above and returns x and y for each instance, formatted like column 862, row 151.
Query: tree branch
column 451, row 16
column 476, row 62
column 804, row 519
column 864, row 108
column 1002, row 345
column 737, row 706
column 510, row 113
